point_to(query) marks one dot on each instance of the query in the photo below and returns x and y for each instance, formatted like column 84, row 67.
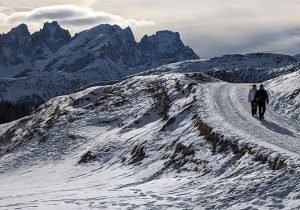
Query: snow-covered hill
column 159, row 141
column 285, row 94
column 254, row 67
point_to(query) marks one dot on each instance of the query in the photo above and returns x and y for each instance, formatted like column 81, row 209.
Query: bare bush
column 178, row 86
column 88, row 156
column 138, row 154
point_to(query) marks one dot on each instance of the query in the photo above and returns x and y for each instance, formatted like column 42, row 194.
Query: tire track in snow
column 229, row 108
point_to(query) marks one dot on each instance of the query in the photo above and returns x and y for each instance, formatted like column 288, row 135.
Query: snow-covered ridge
column 285, row 94
column 143, row 138
column 253, row 67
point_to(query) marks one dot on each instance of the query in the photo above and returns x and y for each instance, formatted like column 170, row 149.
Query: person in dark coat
column 261, row 98
column 251, row 96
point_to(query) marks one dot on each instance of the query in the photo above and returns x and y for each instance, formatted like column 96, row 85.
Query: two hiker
column 258, row 98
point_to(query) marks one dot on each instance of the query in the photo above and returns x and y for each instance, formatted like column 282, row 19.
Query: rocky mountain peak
column 55, row 31
column 168, row 34
column 129, row 33
column 166, row 45
column 52, row 36
column 20, row 32
column 53, row 23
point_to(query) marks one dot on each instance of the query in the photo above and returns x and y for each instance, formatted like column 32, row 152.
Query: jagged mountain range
column 52, row 48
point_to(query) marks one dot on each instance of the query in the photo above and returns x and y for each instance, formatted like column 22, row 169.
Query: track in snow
column 229, row 107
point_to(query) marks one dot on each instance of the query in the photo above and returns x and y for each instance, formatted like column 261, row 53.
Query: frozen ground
column 119, row 147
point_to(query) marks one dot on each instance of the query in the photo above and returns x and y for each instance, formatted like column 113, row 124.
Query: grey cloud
column 86, row 21
column 72, row 15
column 4, row 10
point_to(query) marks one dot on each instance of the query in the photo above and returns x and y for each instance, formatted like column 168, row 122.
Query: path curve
column 228, row 107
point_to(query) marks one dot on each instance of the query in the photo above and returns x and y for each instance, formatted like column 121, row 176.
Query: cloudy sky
column 210, row 27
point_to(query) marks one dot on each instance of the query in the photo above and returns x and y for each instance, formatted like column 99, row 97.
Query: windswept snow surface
column 137, row 152
column 285, row 92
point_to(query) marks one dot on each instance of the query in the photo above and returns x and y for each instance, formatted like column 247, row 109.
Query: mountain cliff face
column 165, row 46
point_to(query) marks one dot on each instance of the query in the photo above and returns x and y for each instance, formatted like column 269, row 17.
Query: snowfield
column 165, row 141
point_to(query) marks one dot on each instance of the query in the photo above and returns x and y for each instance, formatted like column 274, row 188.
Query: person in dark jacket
column 251, row 96
column 261, row 98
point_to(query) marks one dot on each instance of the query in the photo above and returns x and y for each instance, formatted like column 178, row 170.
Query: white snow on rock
column 146, row 143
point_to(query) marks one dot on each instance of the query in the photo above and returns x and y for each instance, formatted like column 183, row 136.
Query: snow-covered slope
column 157, row 141
column 254, row 67
column 252, row 60
column 285, row 94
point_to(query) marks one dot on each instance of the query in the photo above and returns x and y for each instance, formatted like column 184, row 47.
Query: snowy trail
column 230, row 110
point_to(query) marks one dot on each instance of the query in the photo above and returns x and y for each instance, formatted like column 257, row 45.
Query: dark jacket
column 261, row 96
